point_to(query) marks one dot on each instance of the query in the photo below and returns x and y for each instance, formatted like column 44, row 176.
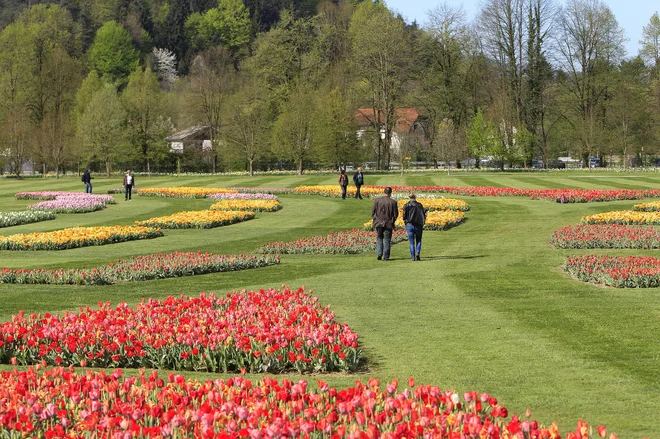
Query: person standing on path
column 129, row 184
column 384, row 213
column 414, row 216
column 343, row 182
column 87, row 179
column 358, row 179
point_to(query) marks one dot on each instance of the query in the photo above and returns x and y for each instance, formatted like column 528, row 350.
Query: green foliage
column 482, row 137
column 228, row 24
column 112, row 54
column 334, row 129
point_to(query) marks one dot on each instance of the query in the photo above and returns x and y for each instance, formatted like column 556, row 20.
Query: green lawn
column 487, row 308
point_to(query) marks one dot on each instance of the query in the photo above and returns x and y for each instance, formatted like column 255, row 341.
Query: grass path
column 487, row 308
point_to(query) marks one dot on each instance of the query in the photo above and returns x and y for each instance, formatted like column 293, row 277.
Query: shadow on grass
column 439, row 258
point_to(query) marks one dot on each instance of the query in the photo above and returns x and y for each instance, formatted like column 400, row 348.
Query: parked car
column 556, row 164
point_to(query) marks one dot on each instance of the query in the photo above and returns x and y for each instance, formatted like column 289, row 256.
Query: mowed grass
column 488, row 307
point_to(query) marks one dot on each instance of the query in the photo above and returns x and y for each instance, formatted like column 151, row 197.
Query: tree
column 143, row 102
column 589, row 43
column 448, row 144
column 112, row 54
column 481, row 137
column 247, row 121
column 380, row 62
column 335, row 128
column 212, row 79
column 293, row 132
column 102, row 126
column 650, row 43
column 228, row 24
column 165, row 65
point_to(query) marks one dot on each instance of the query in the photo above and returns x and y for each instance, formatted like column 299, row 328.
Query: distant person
column 384, row 213
column 358, row 179
column 129, row 184
column 343, row 183
column 87, row 179
column 414, row 216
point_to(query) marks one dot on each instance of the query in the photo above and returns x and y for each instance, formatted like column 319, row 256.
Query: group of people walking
column 358, row 180
column 385, row 212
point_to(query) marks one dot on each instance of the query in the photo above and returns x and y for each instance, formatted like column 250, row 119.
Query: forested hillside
column 284, row 83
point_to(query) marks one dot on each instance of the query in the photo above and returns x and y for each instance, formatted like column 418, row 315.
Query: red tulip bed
column 569, row 195
column 139, row 268
column 616, row 271
column 61, row 402
column 606, row 236
column 345, row 242
column 265, row 331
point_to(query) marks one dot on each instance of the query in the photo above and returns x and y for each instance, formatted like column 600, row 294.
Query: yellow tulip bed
column 335, row 191
column 184, row 192
column 653, row 206
column 623, row 217
column 199, row 219
column 437, row 220
column 433, row 204
column 77, row 237
column 253, row 205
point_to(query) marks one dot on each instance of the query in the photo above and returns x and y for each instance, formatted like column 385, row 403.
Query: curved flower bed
column 606, row 236
column 152, row 406
column 265, row 331
column 264, row 190
column 139, row 268
column 121, row 190
column 652, row 206
column 623, row 217
column 616, row 271
column 8, row 219
column 346, row 242
column 253, row 205
column 433, row 204
column 438, row 220
column 570, row 195
column 66, row 202
column 183, row 192
column 250, row 196
column 76, row 237
column 198, row 219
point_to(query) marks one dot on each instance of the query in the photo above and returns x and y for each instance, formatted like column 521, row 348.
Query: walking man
column 358, row 179
column 384, row 213
column 414, row 215
column 129, row 184
column 87, row 179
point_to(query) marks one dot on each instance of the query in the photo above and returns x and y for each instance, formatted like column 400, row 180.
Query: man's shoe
column 417, row 258
column 379, row 257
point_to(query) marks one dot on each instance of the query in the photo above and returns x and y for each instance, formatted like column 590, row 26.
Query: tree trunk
column 107, row 168
column 251, row 167
column 300, row 167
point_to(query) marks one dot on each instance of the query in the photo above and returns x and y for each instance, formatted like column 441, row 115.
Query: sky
column 632, row 15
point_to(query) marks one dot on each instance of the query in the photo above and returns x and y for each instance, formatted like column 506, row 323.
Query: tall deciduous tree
column 112, row 53
column 293, row 131
column 102, row 127
column 380, row 60
column 589, row 43
column 143, row 101
column 335, row 128
column 650, row 43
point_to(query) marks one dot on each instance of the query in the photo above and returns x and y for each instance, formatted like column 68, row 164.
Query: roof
column 188, row 132
column 404, row 117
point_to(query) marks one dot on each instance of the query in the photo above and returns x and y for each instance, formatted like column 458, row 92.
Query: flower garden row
column 568, row 195
column 626, row 229
column 345, row 242
column 66, row 202
column 35, row 403
column 139, row 268
column 266, row 331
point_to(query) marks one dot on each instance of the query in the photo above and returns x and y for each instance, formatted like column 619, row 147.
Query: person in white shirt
column 129, row 184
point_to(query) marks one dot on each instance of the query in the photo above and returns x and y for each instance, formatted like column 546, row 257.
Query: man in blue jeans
column 414, row 216
column 384, row 213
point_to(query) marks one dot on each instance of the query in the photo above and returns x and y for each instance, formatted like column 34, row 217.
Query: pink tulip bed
column 266, row 331
column 346, row 242
column 264, row 190
column 250, row 196
column 606, row 236
column 616, row 271
column 62, row 402
column 139, row 268
column 66, row 202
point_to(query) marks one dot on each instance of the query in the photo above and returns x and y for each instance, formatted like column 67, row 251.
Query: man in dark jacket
column 358, row 179
column 414, row 215
column 384, row 213
column 129, row 184
column 87, row 179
